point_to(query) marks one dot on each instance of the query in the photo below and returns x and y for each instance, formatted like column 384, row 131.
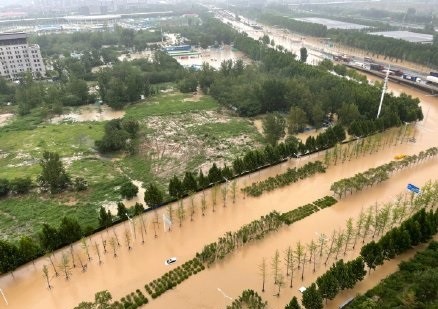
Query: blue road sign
column 413, row 188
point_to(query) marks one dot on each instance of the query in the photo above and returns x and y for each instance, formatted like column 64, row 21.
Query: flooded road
column 317, row 47
column 240, row 270
column 131, row 269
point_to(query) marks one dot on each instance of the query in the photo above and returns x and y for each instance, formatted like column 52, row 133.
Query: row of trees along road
column 370, row 224
column 419, row 228
column 401, row 50
column 378, row 174
column 251, row 161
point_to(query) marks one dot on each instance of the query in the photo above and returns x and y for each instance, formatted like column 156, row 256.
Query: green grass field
column 26, row 215
column 232, row 128
column 168, row 104
column 20, row 151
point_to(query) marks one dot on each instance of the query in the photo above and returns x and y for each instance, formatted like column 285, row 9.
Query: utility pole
column 383, row 91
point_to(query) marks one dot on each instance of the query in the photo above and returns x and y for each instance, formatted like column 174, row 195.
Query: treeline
column 257, row 229
column 419, row 228
column 419, row 276
column 281, row 180
column 174, row 277
column 306, row 210
column 281, row 83
column 303, row 27
column 127, row 81
column 256, row 159
column 120, row 84
column 205, row 32
column 231, row 241
column 27, row 249
column 65, row 43
column 426, row 54
column 30, row 94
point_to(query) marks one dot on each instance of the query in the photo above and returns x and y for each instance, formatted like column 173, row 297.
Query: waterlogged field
column 179, row 132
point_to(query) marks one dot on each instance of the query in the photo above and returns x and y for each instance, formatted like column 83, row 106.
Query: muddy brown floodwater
column 89, row 113
column 132, row 269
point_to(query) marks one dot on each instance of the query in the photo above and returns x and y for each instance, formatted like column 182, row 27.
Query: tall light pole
column 383, row 91
column 4, row 297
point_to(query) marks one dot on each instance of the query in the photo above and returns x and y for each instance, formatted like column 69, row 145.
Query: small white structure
column 302, row 289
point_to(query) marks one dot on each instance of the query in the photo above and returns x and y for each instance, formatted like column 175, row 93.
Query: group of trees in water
column 248, row 299
column 378, row 174
column 281, row 180
column 417, row 229
column 27, row 249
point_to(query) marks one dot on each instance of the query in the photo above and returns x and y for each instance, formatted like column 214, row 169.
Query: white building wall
column 18, row 59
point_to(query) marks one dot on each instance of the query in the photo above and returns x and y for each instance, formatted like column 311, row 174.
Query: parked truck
column 411, row 78
column 376, row 67
column 432, row 79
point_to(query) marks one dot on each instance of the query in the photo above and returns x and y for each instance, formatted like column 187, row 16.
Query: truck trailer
column 431, row 79
column 411, row 78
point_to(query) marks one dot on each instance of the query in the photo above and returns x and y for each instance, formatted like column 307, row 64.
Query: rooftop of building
column 12, row 36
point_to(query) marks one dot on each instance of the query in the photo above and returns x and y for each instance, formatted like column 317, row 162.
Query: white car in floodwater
column 170, row 261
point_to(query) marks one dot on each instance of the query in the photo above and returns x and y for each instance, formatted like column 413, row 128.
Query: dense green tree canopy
column 53, row 176
column 274, row 128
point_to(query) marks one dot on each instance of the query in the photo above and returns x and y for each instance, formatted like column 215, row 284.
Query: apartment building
column 18, row 57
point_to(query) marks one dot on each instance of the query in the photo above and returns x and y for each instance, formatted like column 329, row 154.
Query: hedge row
column 174, row 277
column 306, row 210
column 282, row 180
column 131, row 301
